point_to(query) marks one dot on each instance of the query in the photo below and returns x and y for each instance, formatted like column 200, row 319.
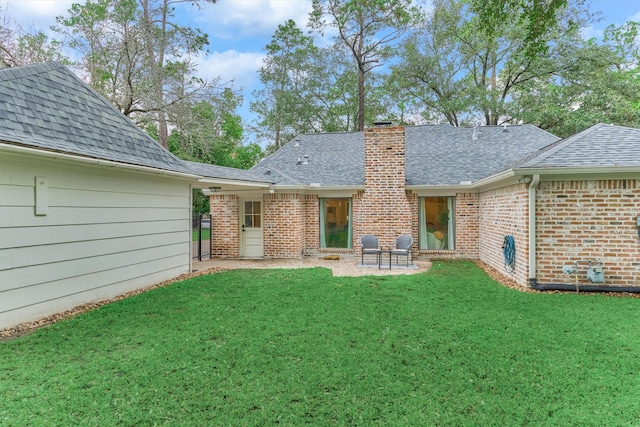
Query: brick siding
column 585, row 220
column 225, row 226
column 284, row 225
column 311, row 223
column 505, row 211
column 383, row 208
column 467, row 224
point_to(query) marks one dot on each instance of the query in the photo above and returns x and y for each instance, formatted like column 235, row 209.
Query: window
column 252, row 215
column 437, row 229
column 335, row 229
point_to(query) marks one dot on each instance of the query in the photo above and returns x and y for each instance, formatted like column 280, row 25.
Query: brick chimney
column 384, row 209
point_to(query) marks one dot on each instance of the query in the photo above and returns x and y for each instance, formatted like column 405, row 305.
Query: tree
column 287, row 72
column 600, row 84
column 210, row 131
column 367, row 28
column 137, row 56
column 432, row 68
column 469, row 58
column 19, row 47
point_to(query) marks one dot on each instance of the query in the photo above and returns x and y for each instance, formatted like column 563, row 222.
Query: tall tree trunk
column 360, row 100
column 277, row 139
column 493, row 119
column 156, row 65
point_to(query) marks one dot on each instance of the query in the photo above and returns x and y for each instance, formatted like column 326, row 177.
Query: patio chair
column 403, row 245
column 370, row 246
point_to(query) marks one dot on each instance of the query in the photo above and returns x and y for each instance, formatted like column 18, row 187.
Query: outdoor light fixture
column 215, row 189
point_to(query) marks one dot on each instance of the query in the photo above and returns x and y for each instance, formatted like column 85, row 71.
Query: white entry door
column 251, row 229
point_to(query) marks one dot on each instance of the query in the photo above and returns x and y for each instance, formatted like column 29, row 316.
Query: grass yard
column 295, row 347
column 204, row 232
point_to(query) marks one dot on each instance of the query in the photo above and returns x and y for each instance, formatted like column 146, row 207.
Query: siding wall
column 284, row 224
column 225, row 225
column 505, row 211
column 467, row 225
column 383, row 209
column 106, row 231
column 585, row 220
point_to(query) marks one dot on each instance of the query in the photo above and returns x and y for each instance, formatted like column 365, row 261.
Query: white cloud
column 241, row 67
column 590, row 32
column 36, row 14
column 243, row 18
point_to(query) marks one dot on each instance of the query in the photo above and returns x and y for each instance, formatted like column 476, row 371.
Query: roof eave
column 585, row 170
column 317, row 187
column 230, row 184
column 462, row 187
column 58, row 155
column 492, row 180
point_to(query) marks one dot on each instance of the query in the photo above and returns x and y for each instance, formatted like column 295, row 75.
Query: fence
column 201, row 237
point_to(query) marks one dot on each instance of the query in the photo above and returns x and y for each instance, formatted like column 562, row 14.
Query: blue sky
column 239, row 29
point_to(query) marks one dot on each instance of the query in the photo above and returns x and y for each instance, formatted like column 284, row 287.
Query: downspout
column 532, row 230
column 533, row 281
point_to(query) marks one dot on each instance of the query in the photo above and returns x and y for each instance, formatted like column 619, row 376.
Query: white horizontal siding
column 32, row 236
column 106, row 231
column 23, row 216
column 86, row 279
column 36, row 311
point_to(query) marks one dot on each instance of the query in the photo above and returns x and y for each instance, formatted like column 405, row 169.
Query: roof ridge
column 554, row 147
column 21, row 71
column 284, row 175
column 119, row 113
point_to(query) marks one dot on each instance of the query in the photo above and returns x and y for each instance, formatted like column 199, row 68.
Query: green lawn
column 294, row 347
column 204, row 232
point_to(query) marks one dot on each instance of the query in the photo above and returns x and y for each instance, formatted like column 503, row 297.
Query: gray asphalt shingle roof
column 600, row 145
column 223, row 172
column 47, row 107
column 435, row 155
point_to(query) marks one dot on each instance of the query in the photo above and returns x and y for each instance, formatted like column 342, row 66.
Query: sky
column 238, row 30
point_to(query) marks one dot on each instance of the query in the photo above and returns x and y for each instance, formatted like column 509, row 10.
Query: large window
column 437, row 228
column 335, row 229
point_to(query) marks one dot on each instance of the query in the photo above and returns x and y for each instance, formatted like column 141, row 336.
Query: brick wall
column 415, row 223
column 505, row 211
column 284, row 225
column 383, row 209
column 467, row 223
column 225, row 225
column 311, row 223
column 584, row 220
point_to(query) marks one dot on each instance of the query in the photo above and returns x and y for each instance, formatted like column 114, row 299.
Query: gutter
column 584, row 170
column 28, row 151
column 222, row 181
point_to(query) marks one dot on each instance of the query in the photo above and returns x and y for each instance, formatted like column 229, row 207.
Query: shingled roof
column 46, row 106
column 600, row 145
column 436, row 155
column 223, row 172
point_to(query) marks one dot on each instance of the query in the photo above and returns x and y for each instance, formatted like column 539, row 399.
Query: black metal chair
column 370, row 246
column 403, row 245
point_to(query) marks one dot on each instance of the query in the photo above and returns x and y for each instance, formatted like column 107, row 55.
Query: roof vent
column 504, row 129
column 474, row 135
column 381, row 124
